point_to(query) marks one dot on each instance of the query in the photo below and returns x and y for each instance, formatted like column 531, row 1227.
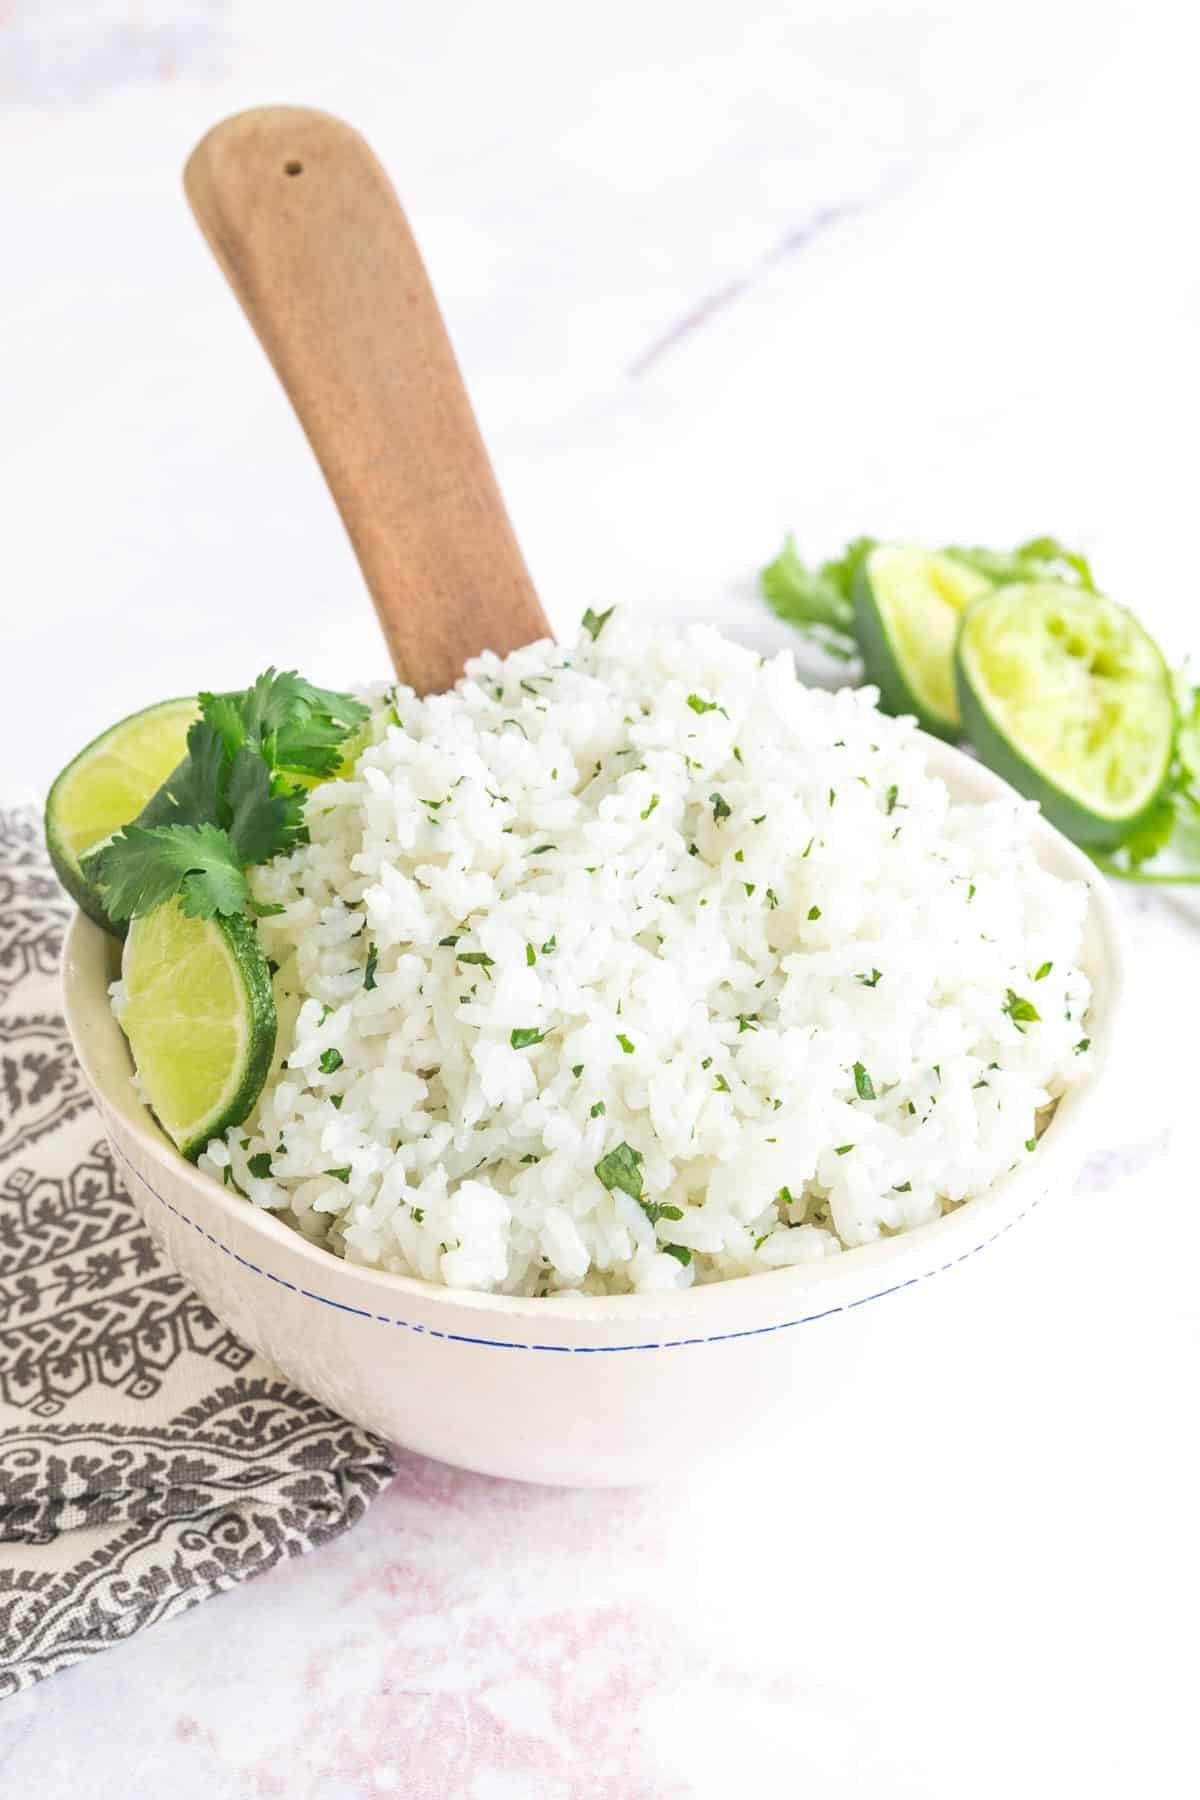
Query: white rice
column 716, row 892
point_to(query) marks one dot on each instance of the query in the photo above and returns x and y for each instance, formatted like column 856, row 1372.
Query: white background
column 714, row 272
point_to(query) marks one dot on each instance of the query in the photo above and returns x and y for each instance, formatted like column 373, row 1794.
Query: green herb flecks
column 621, row 1168
column 864, row 1087
column 1021, row 1012
column 523, row 1036
column 595, row 622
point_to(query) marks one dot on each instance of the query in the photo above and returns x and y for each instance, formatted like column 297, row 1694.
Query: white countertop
column 921, row 269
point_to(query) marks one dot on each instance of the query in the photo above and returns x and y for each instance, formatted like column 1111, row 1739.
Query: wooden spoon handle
column 307, row 227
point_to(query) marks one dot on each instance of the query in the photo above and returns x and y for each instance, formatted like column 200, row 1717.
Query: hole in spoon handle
column 307, row 227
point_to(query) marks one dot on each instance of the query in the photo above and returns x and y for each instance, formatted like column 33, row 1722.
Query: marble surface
column 919, row 268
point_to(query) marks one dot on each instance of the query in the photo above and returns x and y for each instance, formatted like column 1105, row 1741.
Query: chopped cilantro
column 372, row 964
column 871, row 980
column 678, row 1252
column 1082, row 1045
column 749, row 887
column 335, row 1100
column 892, row 795
column 655, row 1211
column 479, row 957
column 720, row 1084
column 330, row 1062
column 621, row 1168
column 550, row 946
column 1043, row 971
column 699, row 705
column 814, row 912
column 625, row 1044
column 902, row 1187
column 595, row 622
column 1021, row 1012
column 720, row 806
column 260, row 1165
column 772, row 899
column 448, row 943
column 864, row 1087
column 747, row 1022
column 530, row 955
column 342, row 1174
column 650, row 808
column 843, row 1149
column 524, row 1035
column 577, row 1070
column 1031, row 1143
column 599, row 1110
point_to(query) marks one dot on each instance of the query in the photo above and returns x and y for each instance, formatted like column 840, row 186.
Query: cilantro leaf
column 817, row 600
column 1040, row 559
column 191, row 793
column 295, row 727
column 260, row 822
column 143, row 868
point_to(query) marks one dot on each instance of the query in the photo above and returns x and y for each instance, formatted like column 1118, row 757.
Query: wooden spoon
column 307, row 227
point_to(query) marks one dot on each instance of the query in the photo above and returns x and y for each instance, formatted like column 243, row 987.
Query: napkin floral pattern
column 147, row 1457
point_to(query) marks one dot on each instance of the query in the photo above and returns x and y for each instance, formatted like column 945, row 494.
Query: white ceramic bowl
column 584, row 1391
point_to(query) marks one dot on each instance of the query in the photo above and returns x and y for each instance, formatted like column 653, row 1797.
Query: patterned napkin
column 147, row 1458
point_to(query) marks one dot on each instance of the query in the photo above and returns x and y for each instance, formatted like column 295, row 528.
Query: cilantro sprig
column 1166, row 846
column 237, row 799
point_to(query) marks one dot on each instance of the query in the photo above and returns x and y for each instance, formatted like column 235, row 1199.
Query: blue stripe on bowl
column 459, row 1337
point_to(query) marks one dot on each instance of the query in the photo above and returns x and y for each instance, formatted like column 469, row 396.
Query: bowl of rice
column 657, row 1037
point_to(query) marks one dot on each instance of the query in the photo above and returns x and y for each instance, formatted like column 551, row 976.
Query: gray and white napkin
column 147, row 1458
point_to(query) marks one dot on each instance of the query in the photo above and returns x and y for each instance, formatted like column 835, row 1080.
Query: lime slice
column 107, row 786
column 198, row 1012
column 908, row 604
column 1065, row 695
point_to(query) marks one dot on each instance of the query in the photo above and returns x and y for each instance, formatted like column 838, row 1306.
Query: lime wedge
column 199, row 1014
column 106, row 787
column 907, row 607
column 1065, row 695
